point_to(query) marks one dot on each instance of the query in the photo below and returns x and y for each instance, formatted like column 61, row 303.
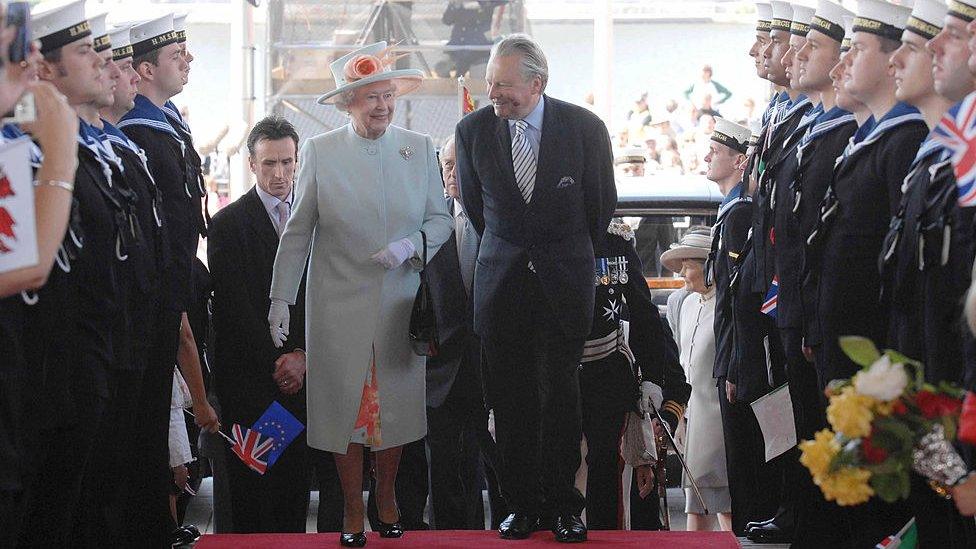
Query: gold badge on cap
column 406, row 153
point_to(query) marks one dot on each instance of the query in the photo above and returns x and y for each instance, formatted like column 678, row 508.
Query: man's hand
column 394, row 254
column 181, row 475
column 289, row 374
column 808, row 354
column 645, row 480
column 278, row 319
column 56, row 130
column 730, row 391
column 205, row 417
column 965, row 497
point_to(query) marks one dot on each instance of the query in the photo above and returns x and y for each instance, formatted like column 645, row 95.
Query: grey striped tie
column 523, row 160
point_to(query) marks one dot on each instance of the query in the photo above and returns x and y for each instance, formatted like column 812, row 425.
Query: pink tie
column 283, row 212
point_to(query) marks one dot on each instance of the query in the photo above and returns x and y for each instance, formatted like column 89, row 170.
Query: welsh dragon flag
column 906, row 538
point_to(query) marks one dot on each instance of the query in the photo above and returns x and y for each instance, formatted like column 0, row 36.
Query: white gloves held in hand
column 650, row 393
column 278, row 318
column 394, row 254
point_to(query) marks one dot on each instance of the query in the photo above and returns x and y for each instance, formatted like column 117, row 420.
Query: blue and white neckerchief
column 929, row 148
column 171, row 112
column 791, row 108
column 771, row 108
column 105, row 147
column 825, row 123
column 13, row 131
column 116, row 136
column 147, row 114
column 734, row 197
column 901, row 113
column 87, row 139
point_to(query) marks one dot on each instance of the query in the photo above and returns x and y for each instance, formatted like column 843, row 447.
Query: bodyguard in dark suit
column 457, row 419
column 250, row 372
column 537, row 183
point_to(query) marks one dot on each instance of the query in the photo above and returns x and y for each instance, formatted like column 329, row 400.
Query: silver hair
column 533, row 59
column 345, row 98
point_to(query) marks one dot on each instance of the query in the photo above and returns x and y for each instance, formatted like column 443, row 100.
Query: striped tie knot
column 523, row 161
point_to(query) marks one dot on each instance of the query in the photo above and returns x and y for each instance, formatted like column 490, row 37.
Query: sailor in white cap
column 951, row 51
column 179, row 25
column 158, row 60
column 799, row 27
column 78, row 343
column 855, row 214
column 926, row 257
column 764, row 19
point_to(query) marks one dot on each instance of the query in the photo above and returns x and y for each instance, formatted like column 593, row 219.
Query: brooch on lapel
column 406, row 152
column 566, row 181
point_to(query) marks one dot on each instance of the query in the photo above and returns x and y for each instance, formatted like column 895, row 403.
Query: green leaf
column 860, row 349
column 891, row 487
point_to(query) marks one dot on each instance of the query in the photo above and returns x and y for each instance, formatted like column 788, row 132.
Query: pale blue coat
column 352, row 198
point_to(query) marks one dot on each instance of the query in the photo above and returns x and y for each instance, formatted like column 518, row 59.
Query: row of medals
column 611, row 270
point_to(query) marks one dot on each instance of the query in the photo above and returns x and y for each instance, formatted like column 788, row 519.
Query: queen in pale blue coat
column 365, row 191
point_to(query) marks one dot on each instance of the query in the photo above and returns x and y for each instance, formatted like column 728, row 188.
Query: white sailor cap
column 764, row 16
column 962, row 10
column 179, row 25
column 848, row 32
column 99, row 30
column 57, row 27
column 629, row 155
column 927, row 18
column 782, row 15
column 802, row 17
column 152, row 35
column 121, row 42
column 829, row 19
column 731, row 135
column 881, row 18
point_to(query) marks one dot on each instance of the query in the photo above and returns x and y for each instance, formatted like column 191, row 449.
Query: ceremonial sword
column 667, row 431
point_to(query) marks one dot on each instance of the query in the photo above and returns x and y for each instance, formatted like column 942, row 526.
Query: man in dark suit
column 536, row 179
column 250, row 372
column 457, row 419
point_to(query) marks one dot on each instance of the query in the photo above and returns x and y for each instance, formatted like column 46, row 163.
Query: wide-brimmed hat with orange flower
column 369, row 64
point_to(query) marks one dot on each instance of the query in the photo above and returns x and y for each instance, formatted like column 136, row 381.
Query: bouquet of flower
column 886, row 421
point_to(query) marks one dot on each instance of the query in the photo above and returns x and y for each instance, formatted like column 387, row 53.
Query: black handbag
column 423, row 323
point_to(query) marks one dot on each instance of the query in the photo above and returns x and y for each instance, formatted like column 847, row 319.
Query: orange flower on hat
column 362, row 66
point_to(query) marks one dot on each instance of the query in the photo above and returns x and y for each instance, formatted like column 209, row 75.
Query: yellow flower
column 849, row 413
column 847, row 486
column 817, row 454
column 883, row 409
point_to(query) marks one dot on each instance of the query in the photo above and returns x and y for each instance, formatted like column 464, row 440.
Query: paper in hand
column 18, row 230
column 774, row 412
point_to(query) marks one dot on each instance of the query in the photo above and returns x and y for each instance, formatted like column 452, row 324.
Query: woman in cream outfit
column 365, row 191
column 704, row 442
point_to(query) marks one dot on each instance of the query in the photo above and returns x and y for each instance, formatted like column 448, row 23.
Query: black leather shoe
column 353, row 540
column 569, row 529
column 518, row 526
column 394, row 530
column 755, row 523
column 770, row 533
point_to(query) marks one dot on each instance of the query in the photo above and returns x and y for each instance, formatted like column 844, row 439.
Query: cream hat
column 696, row 244
column 372, row 63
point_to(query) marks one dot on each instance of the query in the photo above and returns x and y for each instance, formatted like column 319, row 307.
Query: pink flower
column 362, row 66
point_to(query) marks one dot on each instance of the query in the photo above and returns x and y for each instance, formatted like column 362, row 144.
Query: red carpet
column 477, row 539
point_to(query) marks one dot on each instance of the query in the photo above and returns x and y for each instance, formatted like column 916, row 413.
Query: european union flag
column 281, row 426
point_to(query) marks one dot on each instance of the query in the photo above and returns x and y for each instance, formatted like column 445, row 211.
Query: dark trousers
column 534, row 389
column 460, row 448
column 754, row 485
column 60, row 459
column 146, row 514
column 410, row 485
column 329, row 516
column 604, row 470
column 274, row 502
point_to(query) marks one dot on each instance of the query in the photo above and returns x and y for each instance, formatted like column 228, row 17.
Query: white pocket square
column 566, row 181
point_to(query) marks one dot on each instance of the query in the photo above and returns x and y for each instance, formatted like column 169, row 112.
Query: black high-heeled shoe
column 357, row 539
column 394, row 530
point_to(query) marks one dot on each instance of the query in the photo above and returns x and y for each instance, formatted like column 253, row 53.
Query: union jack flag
column 957, row 131
column 252, row 447
column 772, row 299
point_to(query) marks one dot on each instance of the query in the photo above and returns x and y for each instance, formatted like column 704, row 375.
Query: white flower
column 882, row 380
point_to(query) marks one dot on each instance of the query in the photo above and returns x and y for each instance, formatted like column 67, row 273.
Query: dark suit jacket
column 574, row 197
column 460, row 349
column 241, row 253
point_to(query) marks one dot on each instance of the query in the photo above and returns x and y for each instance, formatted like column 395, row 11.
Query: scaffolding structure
column 444, row 39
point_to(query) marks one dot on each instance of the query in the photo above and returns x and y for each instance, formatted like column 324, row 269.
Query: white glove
column 395, row 253
column 650, row 393
column 278, row 318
